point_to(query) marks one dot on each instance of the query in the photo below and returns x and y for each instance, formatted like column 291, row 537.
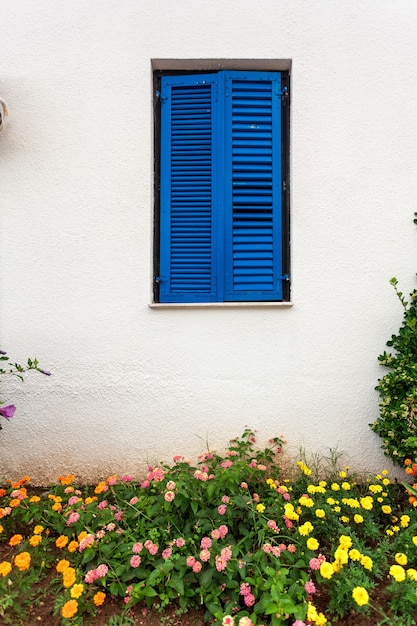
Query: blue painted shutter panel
column 253, row 186
column 189, row 216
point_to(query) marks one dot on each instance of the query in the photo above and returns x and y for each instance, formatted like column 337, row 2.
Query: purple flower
column 45, row 372
column 7, row 411
column 2, row 352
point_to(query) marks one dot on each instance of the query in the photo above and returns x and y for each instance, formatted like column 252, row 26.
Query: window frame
column 164, row 67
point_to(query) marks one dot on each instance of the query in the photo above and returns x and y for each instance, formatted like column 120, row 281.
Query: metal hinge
column 283, row 277
column 159, row 96
column 160, row 279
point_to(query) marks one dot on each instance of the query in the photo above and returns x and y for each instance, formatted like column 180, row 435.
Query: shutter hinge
column 283, row 277
column 284, row 185
column 283, row 93
column 160, row 279
column 159, row 96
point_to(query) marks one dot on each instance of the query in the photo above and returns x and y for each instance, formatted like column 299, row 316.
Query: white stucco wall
column 132, row 384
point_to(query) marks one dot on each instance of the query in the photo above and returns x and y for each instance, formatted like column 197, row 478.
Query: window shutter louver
column 189, row 132
column 253, row 186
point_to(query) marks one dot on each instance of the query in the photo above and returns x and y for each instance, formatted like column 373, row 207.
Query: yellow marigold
column 367, row 562
column 305, row 529
column 34, row 499
column 72, row 546
column 331, row 501
column 360, row 595
column 306, row 501
column 83, row 534
column 396, row 529
column 311, row 612
column 61, row 542
column 321, row 619
column 312, row 543
column 345, row 486
column 100, row 487
column 389, row 532
column 367, row 503
column 22, row 561
column 326, row 570
column 77, row 590
column 414, row 540
column 57, row 506
column 38, row 530
column 358, row 519
column 401, row 558
column 334, row 487
column 61, row 565
column 5, row 568
column 35, row 540
column 386, row 509
column 341, row 556
column 69, row 609
column 260, row 507
column 14, row 503
column 405, row 520
column 15, row 540
column 412, row 573
column 66, row 480
column 99, row 598
column 68, row 577
column 289, row 512
column 342, row 474
column 397, row 572
column 375, row 488
column 386, row 481
column 1, row 529
column 337, row 509
column 345, row 542
column 354, row 554
column 345, row 519
column 311, row 489
column 320, row 513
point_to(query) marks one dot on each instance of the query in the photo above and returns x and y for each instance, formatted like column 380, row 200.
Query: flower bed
column 231, row 535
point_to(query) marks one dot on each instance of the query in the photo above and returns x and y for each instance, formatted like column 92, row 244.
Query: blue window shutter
column 189, row 194
column 253, row 186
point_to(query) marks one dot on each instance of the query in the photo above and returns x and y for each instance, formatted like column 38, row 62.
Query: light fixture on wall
column 3, row 112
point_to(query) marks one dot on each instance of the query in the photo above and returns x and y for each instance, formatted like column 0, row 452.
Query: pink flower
column 101, row 505
column 226, row 553
column 145, row 484
column 90, row 576
column 73, row 518
column 298, row 622
column 205, row 542
column 249, row 599
column 135, row 560
column 253, row 463
column 288, row 522
column 315, row 563
column 267, row 548
column 197, row 567
column 227, row 463
column 137, row 547
column 118, row 516
column 205, row 554
column 151, row 547
column 242, row 564
column 221, row 563
column 112, row 480
column 110, row 526
column 244, row 485
column 228, row 620
column 171, row 485
column 169, row 496
column 134, row 500
column 190, row 561
column 222, row 509
column 127, row 478
column 102, row 570
column 73, row 500
column 180, row 542
column 100, row 534
column 276, row 551
column 7, row 411
column 272, row 525
column 225, row 499
column 177, row 458
column 166, row 553
column 223, row 530
column 292, row 548
column 245, row 588
column 310, row 587
column 215, row 534
column 87, row 541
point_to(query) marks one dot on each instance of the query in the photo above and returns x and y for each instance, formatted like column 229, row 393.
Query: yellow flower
column 99, row 598
column 342, row 474
column 306, row 501
column 412, row 573
column 311, row 612
column 61, row 565
column 334, row 487
column 354, row 554
column 358, row 518
column 331, row 501
column 1, row 529
column 321, row 619
column 5, row 568
column 15, row 540
column 22, row 561
column 414, row 540
column 57, row 506
column 405, row 520
column 397, row 572
column 35, row 540
column 360, row 595
column 375, row 488
column 386, row 481
column 341, row 556
column 77, row 590
column 386, row 509
column 38, row 530
column 260, row 507
column 69, row 609
column 320, row 513
column 345, row 542
column 61, row 542
column 367, row 503
column 326, row 570
column 389, row 532
column 83, row 534
column 68, row 577
column 346, row 486
column 35, row 499
column 345, row 519
column 367, row 562
column 401, row 558
column 72, row 546
column 312, row 543
column 305, row 529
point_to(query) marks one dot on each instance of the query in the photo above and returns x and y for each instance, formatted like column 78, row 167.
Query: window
column 222, row 223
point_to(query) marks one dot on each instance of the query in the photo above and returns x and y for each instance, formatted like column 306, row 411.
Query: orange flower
column 22, row 561
column 72, row 546
column 69, row 609
column 407, row 462
column 408, row 470
column 14, row 503
column 35, row 540
column 68, row 577
column 61, row 565
column 83, row 534
column 35, row 499
column 66, row 480
column 15, row 540
column 38, row 530
column 61, row 542
column 100, row 487
column 2, row 492
column 5, row 568
column 99, row 598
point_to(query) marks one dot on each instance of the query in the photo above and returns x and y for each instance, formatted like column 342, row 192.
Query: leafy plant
column 397, row 422
column 15, row 369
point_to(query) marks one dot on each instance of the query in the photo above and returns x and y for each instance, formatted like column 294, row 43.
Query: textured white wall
column 131, row 383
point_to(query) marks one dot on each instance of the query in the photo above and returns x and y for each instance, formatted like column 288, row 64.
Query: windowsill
column 218, row 305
